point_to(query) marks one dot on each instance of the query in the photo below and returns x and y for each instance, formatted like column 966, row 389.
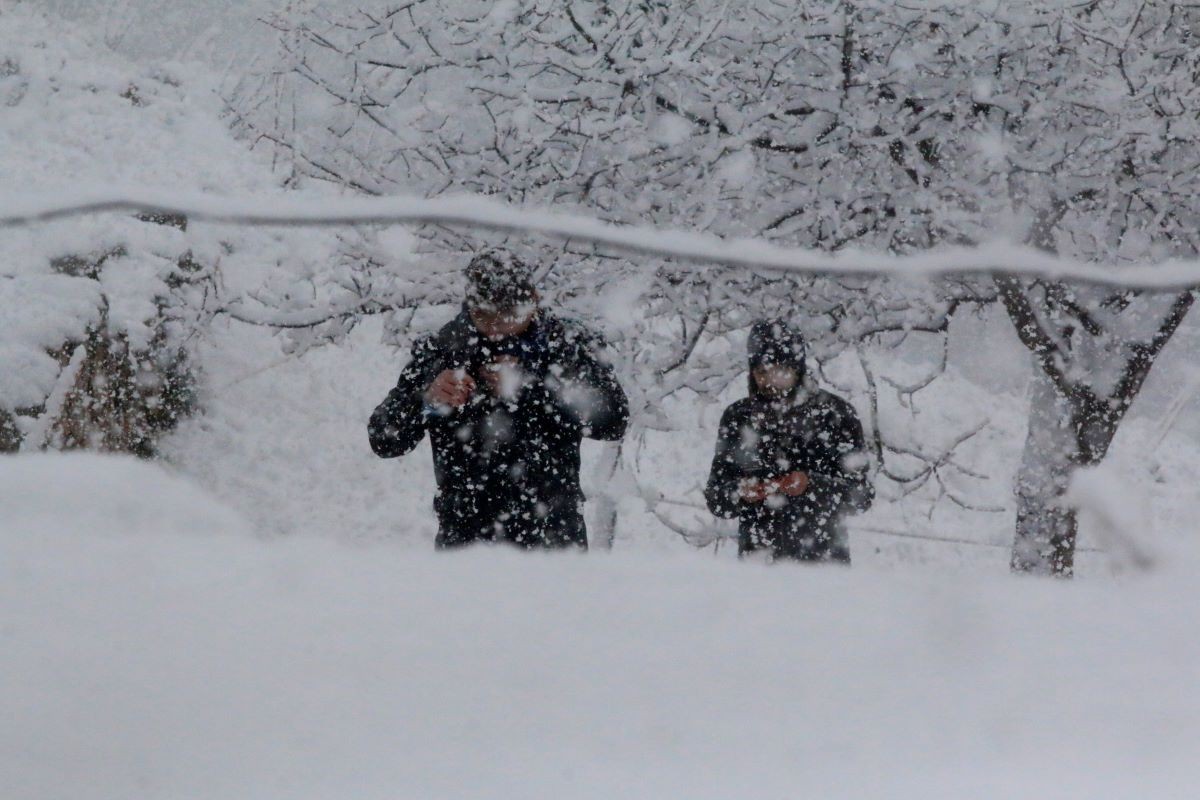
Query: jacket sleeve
column 585, row 388
column 721, row 492
column 847, row 486
column 398, row 423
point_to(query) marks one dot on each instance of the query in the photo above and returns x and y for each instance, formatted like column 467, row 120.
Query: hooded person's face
column 503, row 323
column 775, row 380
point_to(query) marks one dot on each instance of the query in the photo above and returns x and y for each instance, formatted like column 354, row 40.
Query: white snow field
column 150, row 649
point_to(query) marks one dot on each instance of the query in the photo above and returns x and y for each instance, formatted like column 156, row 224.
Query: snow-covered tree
column 1098, row 156
column 823, row 123
column 752, row 118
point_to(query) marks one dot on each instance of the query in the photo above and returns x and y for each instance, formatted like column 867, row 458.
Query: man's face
column 775, row 380
column 501, row 323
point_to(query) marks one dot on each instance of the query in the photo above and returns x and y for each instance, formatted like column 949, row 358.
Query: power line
column 470, row 211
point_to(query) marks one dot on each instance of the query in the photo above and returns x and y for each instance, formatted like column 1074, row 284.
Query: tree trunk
column 1064, row 434
column 1046, row 526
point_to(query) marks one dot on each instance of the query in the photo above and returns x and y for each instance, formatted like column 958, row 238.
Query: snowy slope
column 160, row 661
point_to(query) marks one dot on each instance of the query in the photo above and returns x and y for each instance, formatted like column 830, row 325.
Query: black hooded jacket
column 810, row 431
column 507, row 470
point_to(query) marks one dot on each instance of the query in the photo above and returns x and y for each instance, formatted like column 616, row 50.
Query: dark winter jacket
column 507, row 470
column 811, row 431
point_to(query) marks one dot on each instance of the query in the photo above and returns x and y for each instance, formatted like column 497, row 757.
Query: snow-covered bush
column 101, row 313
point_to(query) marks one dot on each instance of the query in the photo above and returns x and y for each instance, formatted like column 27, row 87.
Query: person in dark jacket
column 790, row 463
column 506, row 392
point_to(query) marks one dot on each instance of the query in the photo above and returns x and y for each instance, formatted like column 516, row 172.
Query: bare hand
column 752, row 491
column 793, row 484
column 452, row 387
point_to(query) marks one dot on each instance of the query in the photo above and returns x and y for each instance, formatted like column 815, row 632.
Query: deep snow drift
column 146, row 657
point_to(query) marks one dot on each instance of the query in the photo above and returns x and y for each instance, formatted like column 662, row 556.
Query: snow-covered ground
column 151, row 649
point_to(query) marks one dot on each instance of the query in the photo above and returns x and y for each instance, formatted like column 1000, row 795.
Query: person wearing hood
column 506, row 391
column 790, row 463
